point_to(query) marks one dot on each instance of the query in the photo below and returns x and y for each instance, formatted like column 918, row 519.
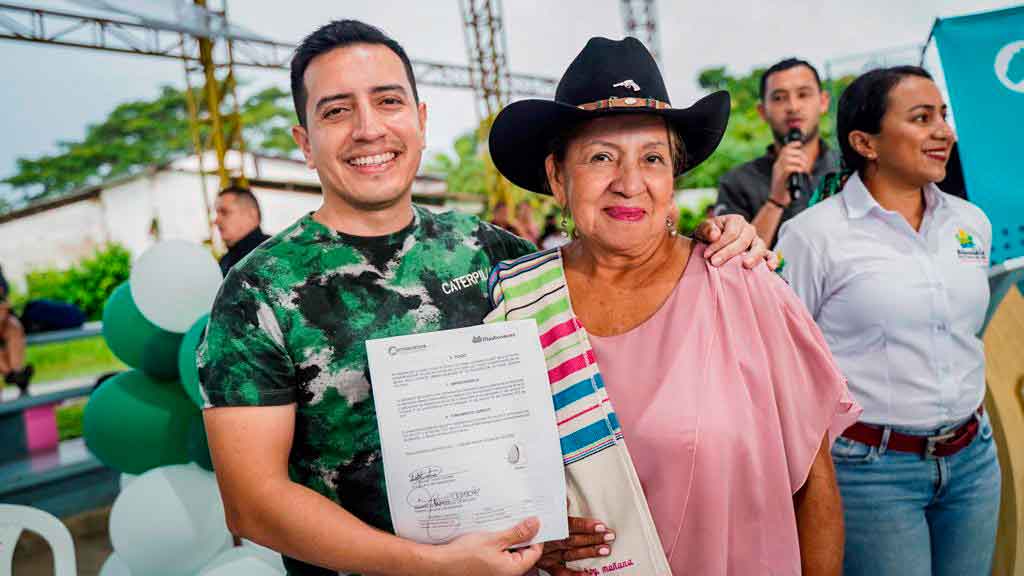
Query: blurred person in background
column 894, row 272
column 238, row 221
column 792, row 100
column 527, row 225
column 555, row 233
column 501, row 218
column 12, row 343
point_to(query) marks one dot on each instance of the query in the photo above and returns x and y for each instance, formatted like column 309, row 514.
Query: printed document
column 467, row 430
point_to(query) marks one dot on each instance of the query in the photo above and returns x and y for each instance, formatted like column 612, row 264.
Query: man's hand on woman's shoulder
column 730, row 235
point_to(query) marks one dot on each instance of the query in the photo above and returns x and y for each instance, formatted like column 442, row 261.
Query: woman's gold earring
column 670, row 226
column 564, row 225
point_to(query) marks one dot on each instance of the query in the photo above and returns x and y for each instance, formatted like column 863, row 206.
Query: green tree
column 87, row 284
column 267, row 120
column 144, row 132
column 466, row 172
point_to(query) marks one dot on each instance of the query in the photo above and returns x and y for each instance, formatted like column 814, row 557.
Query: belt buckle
column 932, row 441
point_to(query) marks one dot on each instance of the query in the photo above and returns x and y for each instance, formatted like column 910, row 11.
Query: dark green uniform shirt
column 291, row 319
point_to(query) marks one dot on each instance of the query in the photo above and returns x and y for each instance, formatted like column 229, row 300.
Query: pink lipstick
column 625, row 213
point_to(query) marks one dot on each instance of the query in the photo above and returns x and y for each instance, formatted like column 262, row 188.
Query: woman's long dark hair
column 863, row 104
column 861, row 107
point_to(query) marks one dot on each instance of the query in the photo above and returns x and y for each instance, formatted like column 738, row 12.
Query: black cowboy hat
column 607, row 77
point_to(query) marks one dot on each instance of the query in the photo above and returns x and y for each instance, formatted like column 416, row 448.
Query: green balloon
column 133, row 423
column 160, row 358
column 198, row 447
column 187, row 359
column 134, row 340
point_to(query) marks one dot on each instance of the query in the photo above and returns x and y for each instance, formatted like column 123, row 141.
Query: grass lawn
column 69, row 419
column 72, row 359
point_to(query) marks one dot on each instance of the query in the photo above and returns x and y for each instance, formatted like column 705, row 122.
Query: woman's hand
column 588, row 538
column 729, row 236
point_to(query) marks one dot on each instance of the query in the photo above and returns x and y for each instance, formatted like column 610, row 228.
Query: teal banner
column 983, row 61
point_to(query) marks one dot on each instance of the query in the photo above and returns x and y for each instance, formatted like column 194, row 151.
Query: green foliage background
column 144, row 132
column 689, row 219
column 87, row 284
column 466, row 171
column 747, row 135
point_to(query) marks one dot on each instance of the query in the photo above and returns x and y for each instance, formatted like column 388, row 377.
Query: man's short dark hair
column 786, row 65
column 244, row 194
column 338, row 34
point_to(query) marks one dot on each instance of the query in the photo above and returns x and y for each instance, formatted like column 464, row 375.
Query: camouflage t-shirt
column 291, row 318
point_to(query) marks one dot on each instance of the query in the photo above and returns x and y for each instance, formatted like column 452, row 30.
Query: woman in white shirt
column 894, row 271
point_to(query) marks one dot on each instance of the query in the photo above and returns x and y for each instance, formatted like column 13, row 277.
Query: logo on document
column 1009, row 66
column 396, row 350
column 968, row 250
column 482, row 339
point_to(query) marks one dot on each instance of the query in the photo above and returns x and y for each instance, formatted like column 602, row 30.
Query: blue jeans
column 907, row 515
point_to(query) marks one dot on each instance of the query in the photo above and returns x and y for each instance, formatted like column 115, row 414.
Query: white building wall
column 54, row 238
column 178, row 206
column 259, row 167
column 170, row 198
column 128, row 213
column 283, row 171
column 281, row 208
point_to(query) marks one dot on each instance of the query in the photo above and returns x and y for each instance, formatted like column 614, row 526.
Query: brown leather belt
column 929, row 446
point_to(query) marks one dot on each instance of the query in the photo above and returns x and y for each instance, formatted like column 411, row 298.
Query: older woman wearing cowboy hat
column 725, row 390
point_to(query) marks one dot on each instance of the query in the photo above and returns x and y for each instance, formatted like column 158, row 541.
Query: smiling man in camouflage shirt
column 290, row 415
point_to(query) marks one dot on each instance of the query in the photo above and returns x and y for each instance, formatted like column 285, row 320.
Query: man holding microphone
column 771, row 189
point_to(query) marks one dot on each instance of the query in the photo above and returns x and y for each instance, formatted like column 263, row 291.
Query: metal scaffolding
column 640, row 20
column 43, row 26
column 486, row 48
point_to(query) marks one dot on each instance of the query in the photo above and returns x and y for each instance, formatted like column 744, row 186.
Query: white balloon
column 241, row 561
column 174, row 283
column 127, row 479
column 114, row 566
column 269, row 556
column 168, row 521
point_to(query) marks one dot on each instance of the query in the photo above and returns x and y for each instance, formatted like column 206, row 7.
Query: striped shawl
column 600, row 477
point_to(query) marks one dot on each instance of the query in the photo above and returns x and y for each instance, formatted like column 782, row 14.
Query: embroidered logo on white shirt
column 969, row 251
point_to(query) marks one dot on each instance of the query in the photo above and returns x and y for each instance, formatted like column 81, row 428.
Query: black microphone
column 794, row 135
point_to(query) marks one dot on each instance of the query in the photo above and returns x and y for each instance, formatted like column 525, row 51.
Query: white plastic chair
column 14, row 519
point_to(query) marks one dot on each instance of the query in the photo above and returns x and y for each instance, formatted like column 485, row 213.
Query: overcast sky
column 53, row 93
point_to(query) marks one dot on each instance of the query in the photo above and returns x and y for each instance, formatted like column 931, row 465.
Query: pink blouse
column 724, row 397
